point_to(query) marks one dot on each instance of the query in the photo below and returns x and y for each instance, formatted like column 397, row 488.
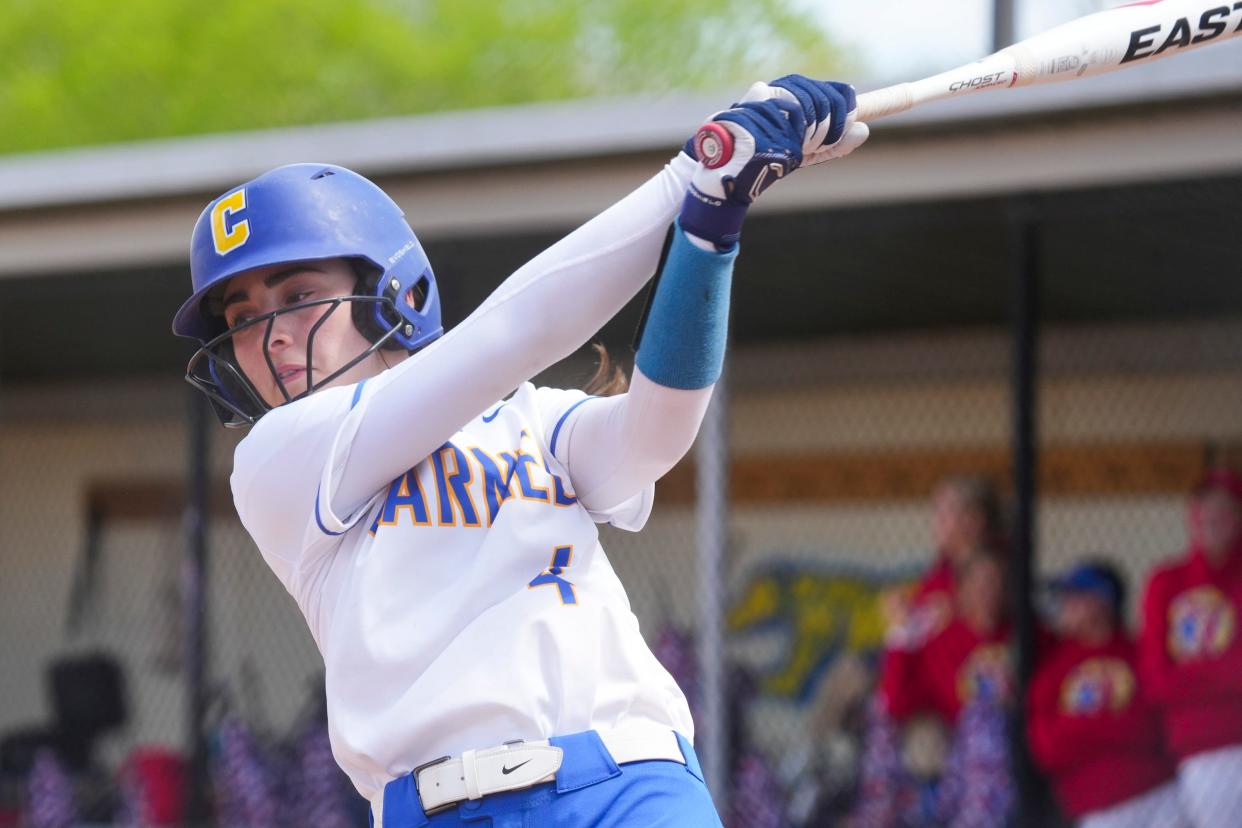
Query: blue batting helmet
column 299, row 213
column 302, row 212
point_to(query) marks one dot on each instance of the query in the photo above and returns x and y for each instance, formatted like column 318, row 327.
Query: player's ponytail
column 609, row 378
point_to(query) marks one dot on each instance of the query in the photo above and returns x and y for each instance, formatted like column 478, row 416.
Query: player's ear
column 364, row 313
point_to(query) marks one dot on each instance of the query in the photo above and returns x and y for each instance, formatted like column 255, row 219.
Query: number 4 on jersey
column 552, row 575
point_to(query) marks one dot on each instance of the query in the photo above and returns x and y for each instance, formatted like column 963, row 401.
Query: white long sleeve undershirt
column 539, row 315
column 621, row 444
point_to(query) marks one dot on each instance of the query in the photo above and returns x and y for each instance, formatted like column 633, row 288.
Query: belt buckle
column 439, row 808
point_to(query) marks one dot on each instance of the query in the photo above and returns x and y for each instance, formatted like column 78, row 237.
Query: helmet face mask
column 236, row 398
column 303, row 213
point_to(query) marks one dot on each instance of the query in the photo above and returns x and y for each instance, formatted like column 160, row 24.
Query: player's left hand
column 746, row 149
column 765, row 148
column 829, row 108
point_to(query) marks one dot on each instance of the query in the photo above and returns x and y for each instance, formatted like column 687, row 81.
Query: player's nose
column 282, row 334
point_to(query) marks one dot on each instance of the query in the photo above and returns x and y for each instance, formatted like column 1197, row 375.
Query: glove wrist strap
column 715, row 219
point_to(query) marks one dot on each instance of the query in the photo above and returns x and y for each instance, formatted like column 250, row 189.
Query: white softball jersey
column 442, row 543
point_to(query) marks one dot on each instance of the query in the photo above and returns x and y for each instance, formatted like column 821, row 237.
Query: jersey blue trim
column 357, row 396
column 319, row 520
column 488, row 419
column 556, row 432
column 683, row 342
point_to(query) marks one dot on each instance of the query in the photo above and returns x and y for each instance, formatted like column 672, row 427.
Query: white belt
column 516, row 765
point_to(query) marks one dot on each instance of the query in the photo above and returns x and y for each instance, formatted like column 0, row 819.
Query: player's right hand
column 829, row 108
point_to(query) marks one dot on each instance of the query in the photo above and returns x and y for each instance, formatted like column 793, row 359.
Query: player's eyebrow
column 271, row 281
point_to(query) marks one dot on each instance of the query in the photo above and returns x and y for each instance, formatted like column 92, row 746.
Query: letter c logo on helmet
column 224, row 237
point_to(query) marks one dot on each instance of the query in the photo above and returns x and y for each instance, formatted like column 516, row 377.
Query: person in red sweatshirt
column 965, row 519
column 961, row 678
column 1191, row 652
column 1090, row 727
column 966, row 660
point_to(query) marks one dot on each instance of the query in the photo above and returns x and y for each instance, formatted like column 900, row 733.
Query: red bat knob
column 713, row 145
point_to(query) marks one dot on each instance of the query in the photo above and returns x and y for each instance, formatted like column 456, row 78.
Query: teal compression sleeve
column 683, row 341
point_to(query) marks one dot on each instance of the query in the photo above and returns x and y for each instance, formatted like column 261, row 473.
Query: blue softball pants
column 590, row 790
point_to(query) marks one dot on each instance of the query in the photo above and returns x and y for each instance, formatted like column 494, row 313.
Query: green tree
column 77, row 72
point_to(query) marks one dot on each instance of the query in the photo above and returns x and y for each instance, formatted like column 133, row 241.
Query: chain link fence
column 836, row 447
column 97, row 726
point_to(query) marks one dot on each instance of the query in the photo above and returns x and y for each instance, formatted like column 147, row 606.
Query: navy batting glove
column 827, row 107
column 830, row 108
column 825, row 104
column 766, row 145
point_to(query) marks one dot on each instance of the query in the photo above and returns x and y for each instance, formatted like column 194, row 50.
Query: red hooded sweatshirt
column 956, row 666
column 1090, row 727
column 930, row 608
column 1191, row 652
column 937, row 579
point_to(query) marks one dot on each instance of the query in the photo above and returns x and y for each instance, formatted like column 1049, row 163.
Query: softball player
column 965, row 520
column 1090, row 726
column 960, row 676
column 1190, row 652
column 481, row 657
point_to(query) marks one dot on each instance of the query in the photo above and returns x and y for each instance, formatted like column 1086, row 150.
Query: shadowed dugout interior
column 1151, row 251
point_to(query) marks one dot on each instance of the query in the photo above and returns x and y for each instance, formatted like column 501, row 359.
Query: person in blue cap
column 1090, row 727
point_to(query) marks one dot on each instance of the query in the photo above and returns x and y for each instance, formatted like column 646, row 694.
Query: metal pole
column 711, row 458
column 1024, row 267
column 1004, row 28
column 195, row 607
